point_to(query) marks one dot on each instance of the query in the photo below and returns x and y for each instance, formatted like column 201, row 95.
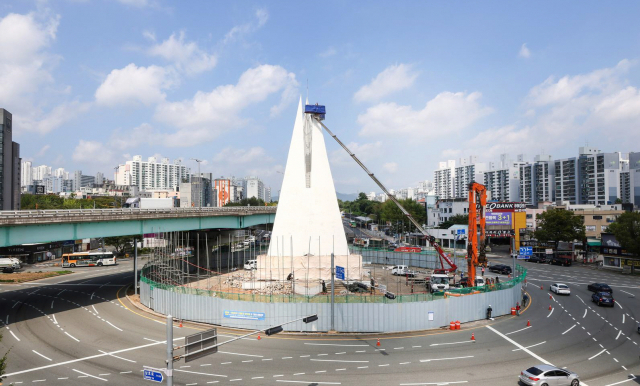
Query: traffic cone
column 541, row 288
column 549, row 307
column 180, row 324
column 259, row 337
column 473, row 337
column 528, row 323
column 378, row 344
column 550, row 297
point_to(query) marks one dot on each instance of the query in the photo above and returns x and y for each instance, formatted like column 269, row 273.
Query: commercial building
column 151, row 174
column 445, row 209
column 223, row 191
column 196, row 193
column 10, row 163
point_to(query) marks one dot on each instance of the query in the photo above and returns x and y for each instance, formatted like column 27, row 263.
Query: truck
column 8, row 265
column 402, row 270
column 438, row 283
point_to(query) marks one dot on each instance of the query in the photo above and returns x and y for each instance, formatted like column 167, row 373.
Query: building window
column 597, row 217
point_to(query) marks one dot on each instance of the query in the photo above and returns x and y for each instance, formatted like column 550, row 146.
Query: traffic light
column 273, row 330
column 310, row 319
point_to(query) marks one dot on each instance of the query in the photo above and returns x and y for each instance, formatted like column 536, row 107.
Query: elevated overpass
column 35, row 226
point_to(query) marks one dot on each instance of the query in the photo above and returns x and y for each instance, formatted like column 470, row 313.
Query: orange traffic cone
column 550, row 297
column 541, row 288
column 259, row 337
column 378, row 344
column 180, row 324
column 528, row 323
column 473, row 337
column 549, row 307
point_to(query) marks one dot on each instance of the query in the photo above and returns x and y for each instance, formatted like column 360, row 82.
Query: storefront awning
column 594, row 243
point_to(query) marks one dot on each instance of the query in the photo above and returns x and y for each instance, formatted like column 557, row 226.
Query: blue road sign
column 153, row 375
column 340, row 272
column 460, row 231
column 526, row 251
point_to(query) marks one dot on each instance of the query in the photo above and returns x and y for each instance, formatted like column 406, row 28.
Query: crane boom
column 430, row 239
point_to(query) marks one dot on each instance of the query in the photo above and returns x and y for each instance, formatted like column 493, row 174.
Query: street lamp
column 199, row 180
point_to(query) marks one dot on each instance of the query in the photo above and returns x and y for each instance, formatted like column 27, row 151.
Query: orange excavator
column 476, row 249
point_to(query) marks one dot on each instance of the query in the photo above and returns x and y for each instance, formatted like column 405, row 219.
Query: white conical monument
column 308, row 225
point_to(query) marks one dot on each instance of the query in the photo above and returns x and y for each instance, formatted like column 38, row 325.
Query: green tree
column 626, row 228
column 618, row 201
column 458, row 219
column 559, row 225
column 391, row 213
column 120, row 243
column 247, row 202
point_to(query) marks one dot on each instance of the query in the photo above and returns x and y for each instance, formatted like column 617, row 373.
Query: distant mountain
column 347, row 196
column 341, row 196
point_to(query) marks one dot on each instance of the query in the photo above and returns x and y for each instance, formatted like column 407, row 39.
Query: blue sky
column 408, row 84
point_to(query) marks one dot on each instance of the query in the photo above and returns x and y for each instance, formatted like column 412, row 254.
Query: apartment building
column 444, row 179
column 152, row 174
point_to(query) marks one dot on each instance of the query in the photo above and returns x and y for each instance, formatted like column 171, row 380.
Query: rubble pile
column 276, row 288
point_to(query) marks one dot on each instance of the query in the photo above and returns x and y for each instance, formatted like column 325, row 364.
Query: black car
column 500, row 268
column 537, row 259
column 599, row 287
column 603, row 299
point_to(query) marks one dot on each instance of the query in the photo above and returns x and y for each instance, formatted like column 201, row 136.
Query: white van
column 251, row 264
column 479, row 281
column 438, row 282
column 8, row 265
column 402, row 270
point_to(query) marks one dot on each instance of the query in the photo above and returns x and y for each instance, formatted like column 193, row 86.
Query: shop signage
column 631, row 262
column 506, row 207
column 498, row 218
column 500, row 233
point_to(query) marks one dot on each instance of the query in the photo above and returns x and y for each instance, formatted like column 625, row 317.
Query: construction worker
column 324, row 287
column 483, row 271
column 489, row 309
column 518, row 308
column 373, row 286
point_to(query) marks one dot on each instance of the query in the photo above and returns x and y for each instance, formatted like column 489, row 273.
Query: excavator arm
column 476, row 250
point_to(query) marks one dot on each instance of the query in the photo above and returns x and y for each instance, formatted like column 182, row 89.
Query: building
column 10, row 164
column 39, row 172
column 444, row 179
column 599, row 177
column 254, row 187
column 445, row 209
column 82, row 181
column 99, row 179
column 223, row 191
column 151, row 174
column 504, row 182
column 634, row 179
column 53, row 184
column 196, row 193
column 469, row 170
column 26, row 174
column 537, row 180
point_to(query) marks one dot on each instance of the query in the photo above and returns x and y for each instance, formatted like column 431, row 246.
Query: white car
column 251, row 264
column 560, row 289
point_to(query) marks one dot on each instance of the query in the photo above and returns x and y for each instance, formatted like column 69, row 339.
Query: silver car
column 545, row 375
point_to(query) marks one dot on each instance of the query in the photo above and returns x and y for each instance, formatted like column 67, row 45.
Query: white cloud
column 186, row 56
column 92, row 152
column 446, row 113
column 392, row 79
column 364, row 152
column 390, row 167
column 328, row 52
column 131, row 138
column 38, row 121
column 149, row 35
column 262, row 15
column 207, row 115
column 135, row 3
column 524, row 51
column 43, row 150
column 134, row 84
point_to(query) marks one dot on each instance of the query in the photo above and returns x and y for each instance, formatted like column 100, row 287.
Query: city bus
column 88, row 259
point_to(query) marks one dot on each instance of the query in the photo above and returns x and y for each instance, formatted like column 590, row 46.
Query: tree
column 390, row 212
column 618, row 201
column 559, row 225
column 252, row 201
column 626, row 228
column 120, row 243
column 458, row 219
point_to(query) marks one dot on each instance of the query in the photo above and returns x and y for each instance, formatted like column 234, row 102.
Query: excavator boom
column 476, row 250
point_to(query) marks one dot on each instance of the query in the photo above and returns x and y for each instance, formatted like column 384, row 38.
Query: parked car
column 560, row 289
column 537, row 259
column 599, row 287
column 603, row 299
column 251, row 264
column 548, row 375
column 500, row 268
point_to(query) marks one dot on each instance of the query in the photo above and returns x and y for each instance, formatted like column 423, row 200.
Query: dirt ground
column 21, row 277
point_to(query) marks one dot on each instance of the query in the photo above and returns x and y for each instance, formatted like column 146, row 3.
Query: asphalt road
column 81, row 330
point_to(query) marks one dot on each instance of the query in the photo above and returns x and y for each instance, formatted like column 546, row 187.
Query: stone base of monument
column 309, row 269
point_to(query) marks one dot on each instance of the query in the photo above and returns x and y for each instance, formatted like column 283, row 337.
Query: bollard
column 452, row 326
column 378, row 344
column 457, row 324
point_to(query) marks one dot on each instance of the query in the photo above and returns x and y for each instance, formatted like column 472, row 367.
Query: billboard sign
column 498, row 218
column 499, row 233
column 244, row 315
column 39, row 189
column 506, row 207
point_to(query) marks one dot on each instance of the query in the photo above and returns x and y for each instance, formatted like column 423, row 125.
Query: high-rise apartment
column 444, row 179
column 469, row 170
column 537, row 182
column 152, row 174
column 504, row 182
column 26, row 174
column 10, row 163
column 254, row 187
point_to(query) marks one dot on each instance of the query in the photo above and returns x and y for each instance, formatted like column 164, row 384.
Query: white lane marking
column 626, row 380
column 49, row 359
column 54, row 318
column 14, row 335
column 520, row 346
column 235, row 353
column 257, row 377
column 622, row 318
column 15, row 304
column 72, row 337
column 152, row 340
column 597, row 354
column 618, row 303
column 619, row 332
column 340, row 345
column 117, row 328
column 115, row 356
column 194, row 372
column 550, row 312
column 585, row 313
column 337, row 360
column 52, row 304
column 443, row 344
column 513, row 332
column 629, row 293
column 94, row 308
column 310, row 382
column 89, row 375
column 570, row 328
column 433, row 383
column 444, row 359
column 533, row 345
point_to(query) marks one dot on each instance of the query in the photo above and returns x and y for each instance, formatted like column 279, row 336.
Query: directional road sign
column 153, row 375
column 526, row 251
column 340, row 272
column 460, row 231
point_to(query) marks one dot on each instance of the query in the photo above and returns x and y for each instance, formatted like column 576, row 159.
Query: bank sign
column 506, row 207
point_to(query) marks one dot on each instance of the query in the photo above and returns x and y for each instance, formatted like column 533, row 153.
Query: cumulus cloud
column 92, row 152
column 446, row 113
column 524, row 51
column 237, row 32
column 131, row 138
column 392, row 79
column 208, row 114
column 133, row 84
column 364, row 151
column 390, row 167
column 186, row 56
column 44, row 122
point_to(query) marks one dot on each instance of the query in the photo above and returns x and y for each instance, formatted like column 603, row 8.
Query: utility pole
column 199, row 182
column 333, row 277
column 169, row 371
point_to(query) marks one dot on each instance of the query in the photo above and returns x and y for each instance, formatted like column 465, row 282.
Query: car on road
column 545, row 375
column 560, row 289
column 603, row 299
column 599, row 287
column 500, row 268
column 537, row 259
